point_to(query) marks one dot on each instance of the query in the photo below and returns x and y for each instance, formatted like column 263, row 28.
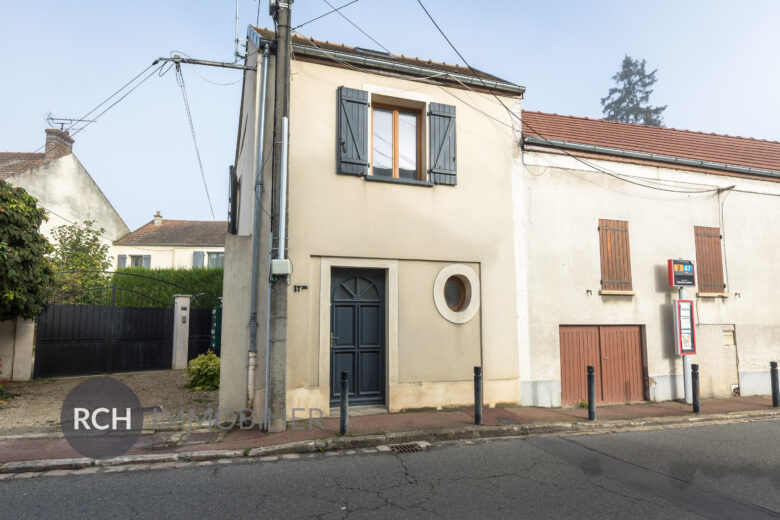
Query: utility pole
column 277, row 390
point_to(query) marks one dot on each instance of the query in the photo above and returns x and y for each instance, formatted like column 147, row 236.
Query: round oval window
column 455, row 293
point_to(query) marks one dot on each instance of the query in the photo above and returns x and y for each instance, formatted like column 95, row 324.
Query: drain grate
column 410, row 447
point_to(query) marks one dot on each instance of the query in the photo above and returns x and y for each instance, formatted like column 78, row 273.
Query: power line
column 523, row 122
column 358, row 28
column 324, row 15
column 180, row 81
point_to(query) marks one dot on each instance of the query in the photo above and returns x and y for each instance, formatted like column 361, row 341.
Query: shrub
column 187, row 281
column 204, row 372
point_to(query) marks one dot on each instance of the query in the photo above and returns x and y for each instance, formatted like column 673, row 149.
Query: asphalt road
column 722, row 471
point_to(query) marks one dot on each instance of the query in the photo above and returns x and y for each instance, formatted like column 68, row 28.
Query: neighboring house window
column 393, row 134
column 395, row 142
column 197, row 259
column 216, row 260
column 144, row 261
column 709, row 259
column 121, row 261
column 615, row 255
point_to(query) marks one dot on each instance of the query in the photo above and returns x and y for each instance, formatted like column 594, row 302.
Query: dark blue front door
column 357, row 326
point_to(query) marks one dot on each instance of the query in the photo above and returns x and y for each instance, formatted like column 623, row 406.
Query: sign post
column 681, row 274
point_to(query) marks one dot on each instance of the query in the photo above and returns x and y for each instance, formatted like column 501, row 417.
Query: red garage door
column 616, row 354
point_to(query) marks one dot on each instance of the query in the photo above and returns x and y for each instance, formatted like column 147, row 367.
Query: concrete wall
column 411, row 232
column 164, row 257
column 64, row 187
column 562, row 203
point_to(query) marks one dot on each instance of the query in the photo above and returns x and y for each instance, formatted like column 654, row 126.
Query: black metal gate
column 109, row 329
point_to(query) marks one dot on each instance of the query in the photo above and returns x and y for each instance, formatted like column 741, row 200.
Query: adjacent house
column 400, row 233
column 165, row 243
column 603, row 206
column 62, row 186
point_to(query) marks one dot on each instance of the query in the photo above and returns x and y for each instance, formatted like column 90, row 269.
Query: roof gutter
column 531, row 139
column 391, row 66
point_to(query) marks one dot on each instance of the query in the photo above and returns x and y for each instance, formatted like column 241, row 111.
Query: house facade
column 400, row 234
column 62, row 186
column 172, row 244
column 604, row 206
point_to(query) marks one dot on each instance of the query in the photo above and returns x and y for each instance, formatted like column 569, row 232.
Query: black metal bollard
column 344, row 413
column 695, row 387
column 591, row 394
column 775, row 384
column 477, row 395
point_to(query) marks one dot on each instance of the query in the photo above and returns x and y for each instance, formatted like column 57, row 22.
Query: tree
column 628, row 100
column 80, row 259
column 25, row 273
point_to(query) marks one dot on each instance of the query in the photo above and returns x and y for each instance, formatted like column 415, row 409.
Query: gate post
column 181, row 330
column 23, row 350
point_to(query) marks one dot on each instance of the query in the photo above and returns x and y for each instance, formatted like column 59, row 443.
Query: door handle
column 333, row 340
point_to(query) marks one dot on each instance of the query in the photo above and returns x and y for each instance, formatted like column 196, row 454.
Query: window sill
column 712, row 295
column 398, row 181
column 616, row 293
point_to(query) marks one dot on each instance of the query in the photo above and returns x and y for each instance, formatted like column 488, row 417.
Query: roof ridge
column 662, row 128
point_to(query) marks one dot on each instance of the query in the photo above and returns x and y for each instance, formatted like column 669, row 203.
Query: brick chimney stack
column 58, row 143
column 158, row 219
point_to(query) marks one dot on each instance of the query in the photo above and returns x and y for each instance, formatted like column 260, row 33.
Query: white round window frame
column 471, row 301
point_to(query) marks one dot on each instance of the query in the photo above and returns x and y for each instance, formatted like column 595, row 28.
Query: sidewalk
column 384, row 428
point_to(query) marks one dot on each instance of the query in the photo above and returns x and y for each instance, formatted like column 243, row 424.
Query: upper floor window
column 709, row 259
column 615, row 255
column 395, row 142
column 388, row 142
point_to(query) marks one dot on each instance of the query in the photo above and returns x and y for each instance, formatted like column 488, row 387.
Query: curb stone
column 382, row 442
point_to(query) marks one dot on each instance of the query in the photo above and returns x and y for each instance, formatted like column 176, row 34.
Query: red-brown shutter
column 615, row 255
column 709, row 259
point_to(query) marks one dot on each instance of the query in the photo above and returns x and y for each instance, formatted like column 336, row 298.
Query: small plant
column 203, row 372
column 582, row 404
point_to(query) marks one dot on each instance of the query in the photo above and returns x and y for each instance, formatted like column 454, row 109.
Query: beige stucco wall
column 410, row 231
column 563, row 205
column 64, row 187
column 164, row 257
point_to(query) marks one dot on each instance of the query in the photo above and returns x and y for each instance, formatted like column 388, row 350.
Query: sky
column 717, row 64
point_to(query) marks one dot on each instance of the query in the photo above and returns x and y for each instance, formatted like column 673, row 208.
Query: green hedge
column 187, row 281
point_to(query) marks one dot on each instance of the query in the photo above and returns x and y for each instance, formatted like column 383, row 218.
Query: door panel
column 615, row 352
column 622, row 377
column 358, row 334
column 579, row 348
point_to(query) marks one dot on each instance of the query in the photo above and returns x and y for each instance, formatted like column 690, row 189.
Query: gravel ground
column 36, row 406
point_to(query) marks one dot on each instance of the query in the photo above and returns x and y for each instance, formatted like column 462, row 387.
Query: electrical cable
column 195, row 70
column 180, row 81
column 523, row 122
column 358, row 28
column 322, row 15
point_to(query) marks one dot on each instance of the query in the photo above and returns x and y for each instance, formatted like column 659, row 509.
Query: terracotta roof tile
column 17, row 162
column 179, row 233
column 725, row 149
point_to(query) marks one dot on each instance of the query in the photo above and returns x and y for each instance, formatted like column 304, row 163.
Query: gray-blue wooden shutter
column 443, row 160
column 352, row 136
column 122, row 261
column 197, row 259
column 147, row 261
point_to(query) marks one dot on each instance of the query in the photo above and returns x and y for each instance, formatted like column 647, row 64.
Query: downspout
column 280, row 253
column 250, row 398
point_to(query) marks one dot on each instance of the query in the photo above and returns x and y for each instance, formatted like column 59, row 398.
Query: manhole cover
column 406, row 448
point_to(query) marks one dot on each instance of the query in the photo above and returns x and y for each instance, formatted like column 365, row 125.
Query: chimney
column 58, row 143
column 158, row 219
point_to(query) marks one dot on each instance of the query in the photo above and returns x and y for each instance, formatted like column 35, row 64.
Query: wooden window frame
column 396, row 110
column 130, row 260
column 614, row 240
